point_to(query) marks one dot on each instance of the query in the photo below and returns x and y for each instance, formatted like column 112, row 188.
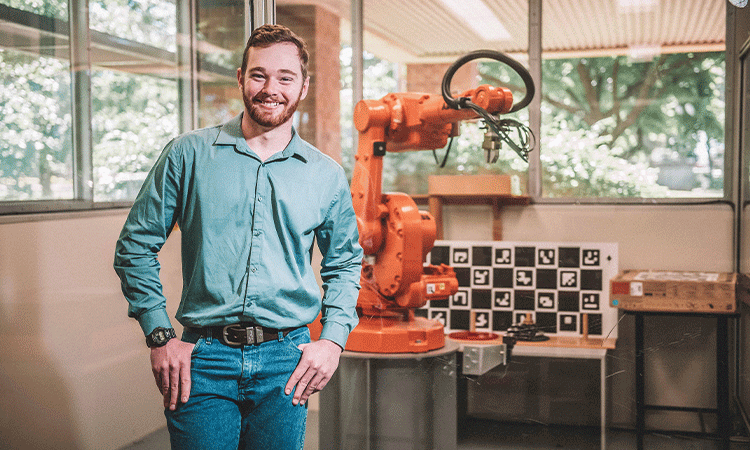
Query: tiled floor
column 486, row 435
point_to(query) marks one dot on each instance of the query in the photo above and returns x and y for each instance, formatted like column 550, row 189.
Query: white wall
column 74, row 369
column 670, row 237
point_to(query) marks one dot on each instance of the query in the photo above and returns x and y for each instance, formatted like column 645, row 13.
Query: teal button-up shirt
column 248, row 229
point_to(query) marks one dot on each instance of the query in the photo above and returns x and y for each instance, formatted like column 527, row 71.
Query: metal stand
column 381, row 401
column 722, row 379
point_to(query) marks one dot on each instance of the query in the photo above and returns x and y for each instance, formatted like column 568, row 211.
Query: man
column 250, row 198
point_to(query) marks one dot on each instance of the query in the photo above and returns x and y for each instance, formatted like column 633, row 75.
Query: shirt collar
column 231, row 134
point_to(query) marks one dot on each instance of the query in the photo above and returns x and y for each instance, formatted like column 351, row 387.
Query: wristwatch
column 160, row 336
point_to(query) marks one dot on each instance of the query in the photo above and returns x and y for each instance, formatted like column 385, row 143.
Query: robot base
column 376, row 334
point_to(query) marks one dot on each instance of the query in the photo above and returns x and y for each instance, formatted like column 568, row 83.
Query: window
column 410, row 49
column 633, row 102
column 36, row 154
column 153, row 74
column 220, row 32
column 134, row 98
column 632, row 92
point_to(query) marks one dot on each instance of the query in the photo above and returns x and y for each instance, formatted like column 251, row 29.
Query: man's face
column 272, row 85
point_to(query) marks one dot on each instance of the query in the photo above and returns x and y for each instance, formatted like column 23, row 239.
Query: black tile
column 481, row 256
column 569, row 257
column 525, row 256
column 524, row 300
column 481, row 299
column 502, row 278
column 440, row 255
column 568, row 301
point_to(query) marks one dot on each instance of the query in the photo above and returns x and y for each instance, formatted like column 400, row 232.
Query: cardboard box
column 665, row 291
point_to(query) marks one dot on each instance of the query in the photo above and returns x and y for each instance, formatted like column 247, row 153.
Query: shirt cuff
column 336, row 333
column 153, row 319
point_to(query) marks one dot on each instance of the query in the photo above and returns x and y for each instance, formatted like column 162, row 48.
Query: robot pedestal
column 391, row 401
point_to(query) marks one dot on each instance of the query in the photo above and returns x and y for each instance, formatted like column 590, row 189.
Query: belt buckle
column 254, row 335
column 225, row 335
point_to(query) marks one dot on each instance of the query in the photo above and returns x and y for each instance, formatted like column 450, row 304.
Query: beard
column 269, row 119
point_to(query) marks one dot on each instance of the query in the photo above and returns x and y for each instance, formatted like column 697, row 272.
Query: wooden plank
column 556, row 342
column 468, row 185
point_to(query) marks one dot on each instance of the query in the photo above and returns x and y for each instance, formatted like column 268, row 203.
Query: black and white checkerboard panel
column 504, row 281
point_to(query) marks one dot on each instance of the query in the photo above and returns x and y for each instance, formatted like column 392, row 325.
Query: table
column 571, row 348
column 722, row 377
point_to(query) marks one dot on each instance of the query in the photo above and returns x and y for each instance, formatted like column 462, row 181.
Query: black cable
column 502, row 128
column 445, row 156
column 497, row 56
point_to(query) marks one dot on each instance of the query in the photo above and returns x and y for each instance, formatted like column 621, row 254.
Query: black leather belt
column 239, row 334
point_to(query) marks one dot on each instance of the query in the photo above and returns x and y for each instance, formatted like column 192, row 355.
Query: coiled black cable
column 501, row 128
column 497, row 56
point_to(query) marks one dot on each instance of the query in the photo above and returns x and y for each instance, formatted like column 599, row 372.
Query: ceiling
column 423, row 31
column 428, row 31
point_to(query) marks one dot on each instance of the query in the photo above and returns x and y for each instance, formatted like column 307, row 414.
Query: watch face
column 160, row 336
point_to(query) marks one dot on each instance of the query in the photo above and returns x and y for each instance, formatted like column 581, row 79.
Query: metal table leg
column 640, row 423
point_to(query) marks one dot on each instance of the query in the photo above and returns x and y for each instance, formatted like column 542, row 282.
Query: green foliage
column 134, row 116
column 49, row 8
column 664, row 112
column 586, row 166
column 35, row 136
column 151, row 22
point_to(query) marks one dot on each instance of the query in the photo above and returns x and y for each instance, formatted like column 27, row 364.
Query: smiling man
column 251, row 198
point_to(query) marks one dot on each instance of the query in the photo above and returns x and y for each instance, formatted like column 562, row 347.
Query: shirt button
column 256, row 233
column 253, row 269
column 260, row 199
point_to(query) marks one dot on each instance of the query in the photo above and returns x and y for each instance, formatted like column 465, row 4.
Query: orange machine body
column 395, row 235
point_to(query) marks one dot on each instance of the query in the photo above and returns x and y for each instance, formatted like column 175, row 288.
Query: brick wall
column 428, row 78
column 319, row 112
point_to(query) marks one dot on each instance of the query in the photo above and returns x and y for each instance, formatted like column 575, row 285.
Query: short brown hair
column 267, row 35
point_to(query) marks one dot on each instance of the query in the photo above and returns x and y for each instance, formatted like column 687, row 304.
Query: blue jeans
column 237, row 398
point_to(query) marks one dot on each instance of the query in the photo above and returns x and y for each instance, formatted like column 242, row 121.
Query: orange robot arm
column 395, row 235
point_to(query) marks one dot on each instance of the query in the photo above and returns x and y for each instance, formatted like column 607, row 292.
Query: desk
column 570, row 348
column 722, row 377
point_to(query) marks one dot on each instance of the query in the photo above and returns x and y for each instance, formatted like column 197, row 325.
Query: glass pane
column 220, row 31
column 633, row 107
column 36, row 160
column 57, row 9
column 134, row 91
column 134, row 116
column 150, row 22
column 410, row 47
